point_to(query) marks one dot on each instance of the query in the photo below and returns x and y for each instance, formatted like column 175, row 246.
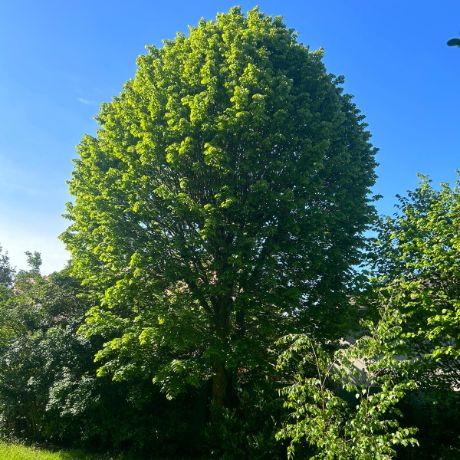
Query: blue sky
column 59, row 60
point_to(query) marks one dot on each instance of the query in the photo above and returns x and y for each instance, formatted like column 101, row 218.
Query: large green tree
column 220, row 205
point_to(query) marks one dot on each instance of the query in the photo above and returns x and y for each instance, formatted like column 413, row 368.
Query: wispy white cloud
column 82, row 100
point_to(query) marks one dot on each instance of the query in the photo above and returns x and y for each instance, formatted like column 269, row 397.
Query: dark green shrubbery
column 436, row 415
column 49, row 391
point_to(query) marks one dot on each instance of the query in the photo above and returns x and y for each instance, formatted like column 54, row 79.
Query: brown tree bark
column 220, row 379
column 219, row 387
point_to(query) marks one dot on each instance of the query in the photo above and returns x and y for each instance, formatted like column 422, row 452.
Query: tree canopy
column 221, row 203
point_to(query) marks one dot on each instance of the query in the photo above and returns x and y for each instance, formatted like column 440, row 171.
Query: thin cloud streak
column 84, row 101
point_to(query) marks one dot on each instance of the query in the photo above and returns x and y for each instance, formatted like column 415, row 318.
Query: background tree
column 34, row 260
column 221, row 205
column 49, row 391
column 417, row 265
column 6, row 271
column 6, row 280
column 417, row 276
column 36, row 323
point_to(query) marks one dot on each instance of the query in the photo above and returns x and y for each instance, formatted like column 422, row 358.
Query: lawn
column 18, row 452
column 10, row 451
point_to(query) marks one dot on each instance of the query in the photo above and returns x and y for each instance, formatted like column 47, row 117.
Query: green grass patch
column 19, row 452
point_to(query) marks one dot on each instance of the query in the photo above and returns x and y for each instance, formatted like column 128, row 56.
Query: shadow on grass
column 79, row 455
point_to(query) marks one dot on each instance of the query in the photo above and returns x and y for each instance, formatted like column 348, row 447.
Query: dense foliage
column 343, row 402
column 417, row 275
column 221, row 205
column 49, row 391
column 210, row 307
column 6, row 275
column 417, row 262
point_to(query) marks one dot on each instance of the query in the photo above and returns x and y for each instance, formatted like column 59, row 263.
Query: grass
column 13, row 451
column 19, row 452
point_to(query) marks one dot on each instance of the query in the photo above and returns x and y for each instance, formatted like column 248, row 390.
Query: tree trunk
column 219, row 387
column 220, row 380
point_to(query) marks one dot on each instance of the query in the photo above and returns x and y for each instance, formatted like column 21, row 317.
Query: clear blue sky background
column 60, row 59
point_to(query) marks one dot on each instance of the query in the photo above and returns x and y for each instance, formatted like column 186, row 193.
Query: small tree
column 221, row 204
column 343, row 403
column 6, row 271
